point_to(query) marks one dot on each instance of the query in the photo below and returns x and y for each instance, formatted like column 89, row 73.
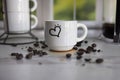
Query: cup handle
column 35, row 21
column 85, row 30
column 35, row 6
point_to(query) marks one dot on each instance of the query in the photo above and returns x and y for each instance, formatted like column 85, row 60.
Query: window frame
column 97, row 23
column 45, row 12
column 46, row 6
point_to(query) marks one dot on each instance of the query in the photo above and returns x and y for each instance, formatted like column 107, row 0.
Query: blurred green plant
column 31, row 5
column 85, row 9
column 1, row 16
column 63, row 9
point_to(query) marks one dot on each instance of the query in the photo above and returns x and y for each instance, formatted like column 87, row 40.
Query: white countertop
column 56, row 67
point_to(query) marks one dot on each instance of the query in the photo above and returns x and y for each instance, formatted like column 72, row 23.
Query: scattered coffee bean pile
column 19, row 56
column 89, row 50
column 33, row 51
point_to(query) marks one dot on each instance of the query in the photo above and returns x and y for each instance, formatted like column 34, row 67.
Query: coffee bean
column 19, row 56
column 89, row 49
column 81, row 50
column 85, row 42
column 75, row 48
column 78, row 44
column 80, row 53
column 87, row 59
column 14, row 54
column 87, row 52
column 68, row 55
column 42, row 42
column 78, row 57
column 35, row 52
column 39, row 52
column 46, row 45
column 44, row 53
column 94, row 50
column 99, row 60
column 36, row 44
column 99, row 50
column 29, row 56
column 83, row 64
column 30, row 49
column 93, row 45
column 43, row 47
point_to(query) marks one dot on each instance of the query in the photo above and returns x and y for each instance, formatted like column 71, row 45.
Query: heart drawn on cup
column 55, row 31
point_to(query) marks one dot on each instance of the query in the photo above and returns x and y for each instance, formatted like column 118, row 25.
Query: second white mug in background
column 62, row 35
column 20, row 22
column 20, row 5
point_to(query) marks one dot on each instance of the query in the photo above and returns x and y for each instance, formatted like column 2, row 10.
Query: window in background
column 85, row 9
column 74, row 9
column 63, row 9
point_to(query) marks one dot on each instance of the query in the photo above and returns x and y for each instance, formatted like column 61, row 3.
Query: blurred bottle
column 109, row 18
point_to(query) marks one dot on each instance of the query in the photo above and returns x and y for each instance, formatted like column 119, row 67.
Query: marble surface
column 56, row 67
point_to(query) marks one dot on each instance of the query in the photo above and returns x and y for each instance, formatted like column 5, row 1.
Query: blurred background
column 90, row 12
column 63, row 9
column 85, row 9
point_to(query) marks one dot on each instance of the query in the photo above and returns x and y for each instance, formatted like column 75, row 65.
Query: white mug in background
column 18, row 17
column 20, row 22
column 62, row 35
column 20, row 5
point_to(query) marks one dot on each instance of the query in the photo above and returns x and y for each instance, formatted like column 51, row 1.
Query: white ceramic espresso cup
column 20, row 5
column 19, row 22
column 62, row 35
